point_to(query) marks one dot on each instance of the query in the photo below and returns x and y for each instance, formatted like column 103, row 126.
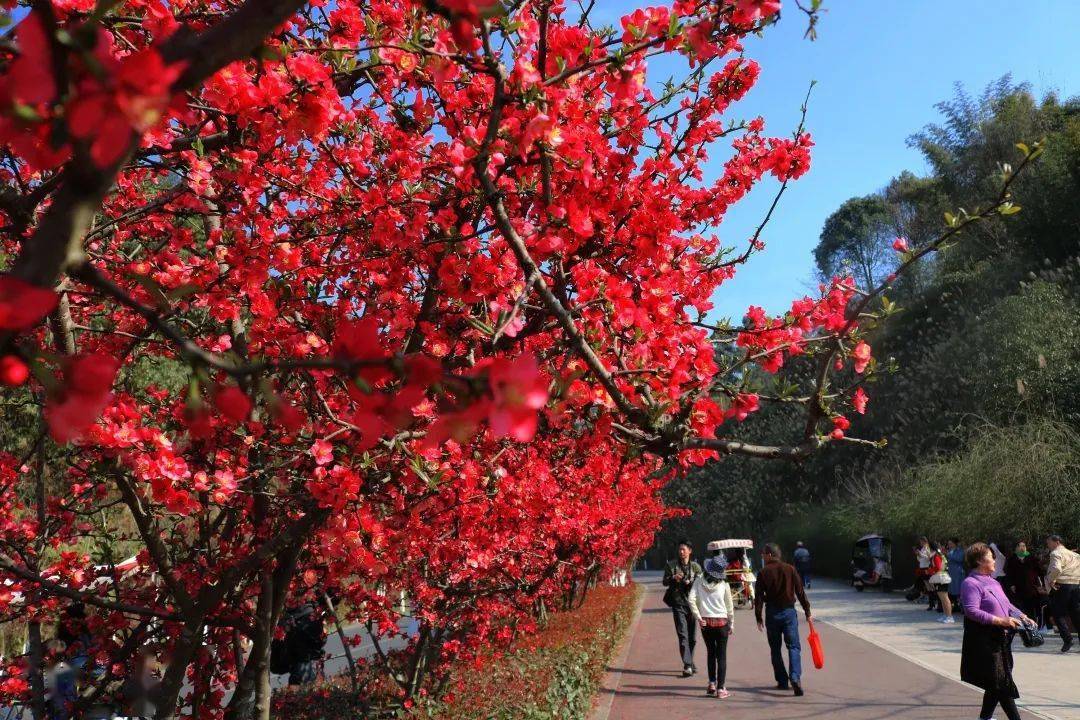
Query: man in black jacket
column 305, row 641
column 679, row 577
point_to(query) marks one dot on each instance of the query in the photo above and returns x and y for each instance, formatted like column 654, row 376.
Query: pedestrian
column 305, row 640
column 923, row 555
column 713, row 607
column 955, row 555
column 142, row 688
column 778, row 586
column 1023, row 580
column 801, row 557
column 986, row 659
column 679, row 577
column 1063, row 582
column 999, row 562
column 939, row 582
column 74, row 644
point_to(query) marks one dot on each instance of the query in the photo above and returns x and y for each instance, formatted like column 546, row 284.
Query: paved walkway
column 1049, row 681
column 860, row 681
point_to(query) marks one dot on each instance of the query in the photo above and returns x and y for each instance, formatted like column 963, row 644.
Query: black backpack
column 280, row 661
column 305, row 637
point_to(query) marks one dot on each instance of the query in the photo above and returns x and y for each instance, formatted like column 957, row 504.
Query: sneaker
column 783, row 686
column 687, row 671
column 711, row 690
column 723, row 694
column 1067, row 645
column 797, row 688
column 948, row 620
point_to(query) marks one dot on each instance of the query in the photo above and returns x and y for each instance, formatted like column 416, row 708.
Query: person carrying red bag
column 778, row 586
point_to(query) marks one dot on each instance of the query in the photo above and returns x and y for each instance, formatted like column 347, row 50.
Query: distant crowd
column 1042, row 580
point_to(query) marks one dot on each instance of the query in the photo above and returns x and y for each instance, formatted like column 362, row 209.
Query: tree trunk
column 33, row 629
column 37, row 680
column 251, row 700
column 344, row 643
column 173, row 682
column 243, row 705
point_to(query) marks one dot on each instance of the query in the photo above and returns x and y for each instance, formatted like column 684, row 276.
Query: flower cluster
column 111, row 98
column 403, row 299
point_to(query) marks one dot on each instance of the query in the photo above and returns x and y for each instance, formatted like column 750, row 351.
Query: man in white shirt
column 1063, row 580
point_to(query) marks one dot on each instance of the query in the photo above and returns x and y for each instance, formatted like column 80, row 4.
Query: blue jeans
column 303, row 672
column 783, row 624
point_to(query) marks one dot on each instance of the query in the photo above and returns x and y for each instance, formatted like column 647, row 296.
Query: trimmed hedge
column 550, row 675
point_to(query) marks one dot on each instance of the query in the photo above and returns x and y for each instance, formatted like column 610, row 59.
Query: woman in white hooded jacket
column 713, row 608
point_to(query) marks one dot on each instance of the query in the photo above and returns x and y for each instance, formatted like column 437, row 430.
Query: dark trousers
column 1033, row 606
column 716, row 653
column 1065, row 603
column 686, row 630
column 782, row 625
column 803, row 568
column 991, row 700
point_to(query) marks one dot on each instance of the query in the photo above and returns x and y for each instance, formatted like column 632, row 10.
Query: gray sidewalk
column 1049, row 682
column 860, row 680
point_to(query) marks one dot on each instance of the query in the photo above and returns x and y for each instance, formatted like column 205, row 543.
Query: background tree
column 857, row 240
column 983, row 341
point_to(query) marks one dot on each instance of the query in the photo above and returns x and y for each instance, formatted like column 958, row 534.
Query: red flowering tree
column 369, row 297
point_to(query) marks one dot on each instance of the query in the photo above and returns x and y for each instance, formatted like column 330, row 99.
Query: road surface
column 860, row 681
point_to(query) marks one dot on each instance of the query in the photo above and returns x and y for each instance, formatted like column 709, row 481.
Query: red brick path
column 859, row 682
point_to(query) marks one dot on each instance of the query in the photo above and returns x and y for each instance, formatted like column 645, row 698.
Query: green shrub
column 1014, row 482
column 551, row 675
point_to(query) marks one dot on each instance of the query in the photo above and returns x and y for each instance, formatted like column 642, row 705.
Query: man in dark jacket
column 778, row 586
column 679, row 577
column 1023, row 581
column 305, row 641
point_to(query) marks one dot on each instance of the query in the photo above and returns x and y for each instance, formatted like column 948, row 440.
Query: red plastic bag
column 814, row 640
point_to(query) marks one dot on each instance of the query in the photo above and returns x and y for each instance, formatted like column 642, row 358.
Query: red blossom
column 132, row 100
column 331, row 225
column 323, row 452
column 86, row 390
column 748, row 12
column 859, row 400
column 518, row 390
column 471, row 9
column 861, row 355
column 900, row 245
column 13, row 371
column 289, row 417
column 359, row 340
column 23, row 305
column 30, row 79
column 233, row 403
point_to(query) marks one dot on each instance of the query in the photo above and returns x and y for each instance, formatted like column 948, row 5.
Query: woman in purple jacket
column 990, row 621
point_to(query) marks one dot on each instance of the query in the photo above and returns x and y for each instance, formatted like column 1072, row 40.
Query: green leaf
column 673, row 26
column 1009, row 209
column 26, row 113
column 182, row 291
column 152, row 286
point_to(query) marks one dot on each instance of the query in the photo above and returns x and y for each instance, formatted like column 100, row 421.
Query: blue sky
column 881, row 65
